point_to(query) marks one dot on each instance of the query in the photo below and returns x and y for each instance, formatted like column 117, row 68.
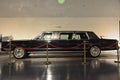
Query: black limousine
column 66, row 41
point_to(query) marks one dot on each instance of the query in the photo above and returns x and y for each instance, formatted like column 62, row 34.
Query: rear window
column 81, row 36
column 92, row 35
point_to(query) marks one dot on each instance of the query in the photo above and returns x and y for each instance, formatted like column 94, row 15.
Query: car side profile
column 61, row 41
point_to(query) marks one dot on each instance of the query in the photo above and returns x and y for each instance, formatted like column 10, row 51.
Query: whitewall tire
column 95, row 51
column 19, row 53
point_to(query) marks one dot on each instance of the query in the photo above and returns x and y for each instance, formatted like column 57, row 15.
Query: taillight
column 117, row 47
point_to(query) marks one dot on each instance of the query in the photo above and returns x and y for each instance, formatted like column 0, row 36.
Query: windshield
column 38, row 37
column 44, row 36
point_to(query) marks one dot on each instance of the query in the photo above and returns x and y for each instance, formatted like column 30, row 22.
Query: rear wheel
column 19, row 53
column 95, row 51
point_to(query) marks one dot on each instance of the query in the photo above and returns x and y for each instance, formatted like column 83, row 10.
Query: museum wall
column 24, row 19
column 28, row 28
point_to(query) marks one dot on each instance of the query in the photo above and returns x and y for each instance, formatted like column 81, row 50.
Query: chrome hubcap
column 95, row 51
column 19, row 52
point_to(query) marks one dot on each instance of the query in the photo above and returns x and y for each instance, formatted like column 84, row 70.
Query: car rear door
column 68, row 41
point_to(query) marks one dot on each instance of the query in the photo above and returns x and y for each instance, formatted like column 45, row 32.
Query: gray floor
column 62, row 67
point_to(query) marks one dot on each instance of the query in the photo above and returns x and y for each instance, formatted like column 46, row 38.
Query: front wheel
column 95, row 51
column 19, row 53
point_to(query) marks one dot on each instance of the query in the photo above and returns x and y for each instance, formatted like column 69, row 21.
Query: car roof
column 66, row 31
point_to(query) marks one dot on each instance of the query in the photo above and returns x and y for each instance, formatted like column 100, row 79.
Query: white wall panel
column 27, row 28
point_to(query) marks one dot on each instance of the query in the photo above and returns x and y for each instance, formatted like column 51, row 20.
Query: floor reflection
column 70, row 69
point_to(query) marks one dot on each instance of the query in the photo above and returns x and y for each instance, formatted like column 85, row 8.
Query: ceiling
column 51, row 8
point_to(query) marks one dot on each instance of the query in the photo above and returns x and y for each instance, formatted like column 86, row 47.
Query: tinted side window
column 66, row 36
column 47, row 36
column 81, row 36
column 92, row 35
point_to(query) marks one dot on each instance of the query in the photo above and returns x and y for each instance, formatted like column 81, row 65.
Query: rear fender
column 0, row 42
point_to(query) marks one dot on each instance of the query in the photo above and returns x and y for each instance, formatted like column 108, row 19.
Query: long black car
column 62, row 41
